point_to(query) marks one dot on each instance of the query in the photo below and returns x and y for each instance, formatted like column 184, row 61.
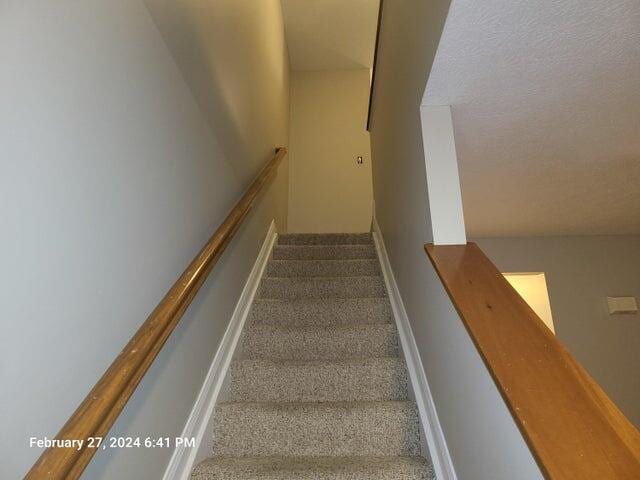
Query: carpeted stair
column 319, row 391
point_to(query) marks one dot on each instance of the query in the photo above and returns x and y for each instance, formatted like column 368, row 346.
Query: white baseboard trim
column 198, row 425
column 431, row 428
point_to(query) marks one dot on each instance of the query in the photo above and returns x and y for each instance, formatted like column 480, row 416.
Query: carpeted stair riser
column 316, row 429
column 316, row 287
column 325, row 239
column 323, row 252
column 275, row 342
column 320, row 312
column 370, row 379
column 323, row 268
column 314, row 468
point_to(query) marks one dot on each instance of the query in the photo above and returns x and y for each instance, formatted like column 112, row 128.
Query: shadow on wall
column 214, row 45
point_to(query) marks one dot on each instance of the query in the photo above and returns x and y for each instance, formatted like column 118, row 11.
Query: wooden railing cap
column 571, row 426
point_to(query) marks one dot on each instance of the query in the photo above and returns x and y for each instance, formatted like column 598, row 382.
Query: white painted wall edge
column 443, row 180
column 431, row 429
column 199, row 425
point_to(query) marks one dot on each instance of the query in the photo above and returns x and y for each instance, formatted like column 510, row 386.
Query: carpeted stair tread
column 322, row 287
column 317, row 390
column 321, row 311
column 325, row 239
column 314, row 468
column 316, row 429
column 280, row 342
column 323, row 268
column 323, row 252
column 367, row 379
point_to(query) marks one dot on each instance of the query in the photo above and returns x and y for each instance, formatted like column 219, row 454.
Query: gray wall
column 581, row 272
column 482, row 436
column 114, row 171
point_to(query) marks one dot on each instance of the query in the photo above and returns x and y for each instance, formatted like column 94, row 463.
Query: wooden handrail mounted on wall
column 100, row 409
column 572, row 428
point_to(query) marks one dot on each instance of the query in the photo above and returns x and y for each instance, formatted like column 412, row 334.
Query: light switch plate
column 620, row 305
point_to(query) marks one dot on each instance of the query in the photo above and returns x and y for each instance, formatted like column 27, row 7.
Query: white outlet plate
column 620, row 305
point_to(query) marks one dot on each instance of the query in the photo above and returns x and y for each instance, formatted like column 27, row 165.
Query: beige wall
column 481, row 435
column 581, row 272
column 329, row 191
column 114, row 172
column 532, row 287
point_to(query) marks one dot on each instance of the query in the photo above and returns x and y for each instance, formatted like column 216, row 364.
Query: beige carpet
column 319, row 390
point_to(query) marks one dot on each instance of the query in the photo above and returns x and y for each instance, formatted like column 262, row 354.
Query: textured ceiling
column 330, row 34
column 546, row 108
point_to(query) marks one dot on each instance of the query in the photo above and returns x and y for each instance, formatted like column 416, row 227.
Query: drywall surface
column 443, row 181
column 329, row 190
column 482, row 437
column 331, row 34
column 532, row 287
column 581, row 272
column 233, row 56
column 112, row 176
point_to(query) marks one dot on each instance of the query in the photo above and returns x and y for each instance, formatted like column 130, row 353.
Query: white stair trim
column 430, row 424
column 198, row 425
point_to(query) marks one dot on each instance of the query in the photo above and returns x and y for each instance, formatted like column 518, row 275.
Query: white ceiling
column 546, row 108
column 330, row 34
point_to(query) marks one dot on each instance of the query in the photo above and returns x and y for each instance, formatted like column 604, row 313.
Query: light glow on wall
column 532, row 287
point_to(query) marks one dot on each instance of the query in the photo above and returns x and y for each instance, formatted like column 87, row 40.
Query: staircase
column 319, row 390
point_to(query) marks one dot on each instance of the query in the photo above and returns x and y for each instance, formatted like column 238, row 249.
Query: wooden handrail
column 572, row 428
column 99, row 410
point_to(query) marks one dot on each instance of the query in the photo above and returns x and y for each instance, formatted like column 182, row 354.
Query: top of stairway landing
column 325, row 239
